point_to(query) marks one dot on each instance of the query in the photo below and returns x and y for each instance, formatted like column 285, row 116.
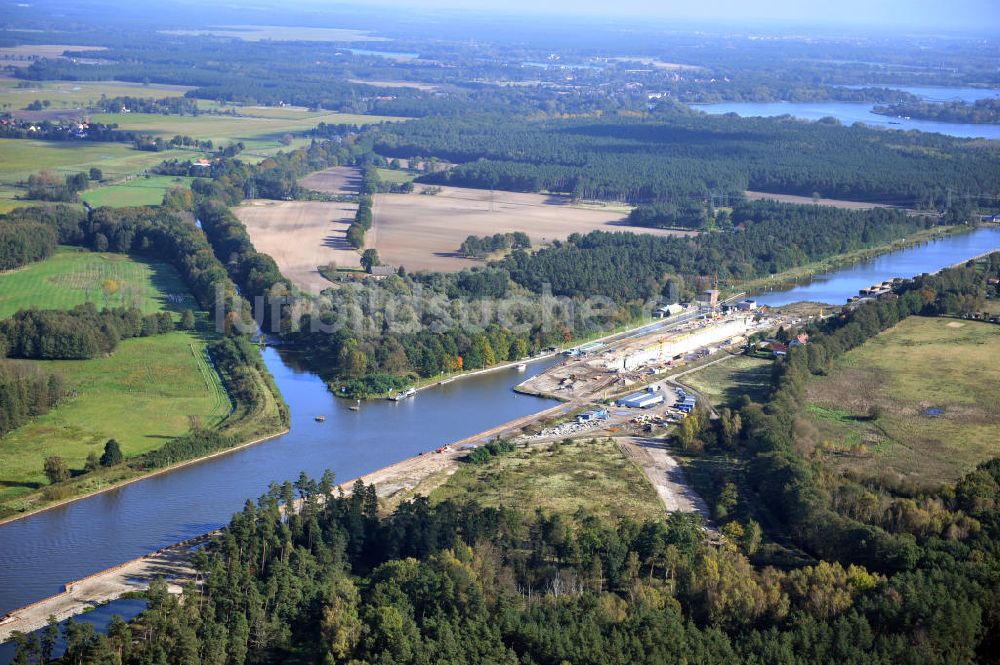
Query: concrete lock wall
column 684, row 343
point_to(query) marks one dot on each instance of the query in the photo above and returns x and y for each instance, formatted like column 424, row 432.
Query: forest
column 82, row 332
column 26, row 391
column 478, row 247
column 685, row 156
column 23, row 243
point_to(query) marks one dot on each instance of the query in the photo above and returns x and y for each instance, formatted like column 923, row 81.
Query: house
column 747, row 305
column 668, row 310
column 381, row 272
column 779, row 350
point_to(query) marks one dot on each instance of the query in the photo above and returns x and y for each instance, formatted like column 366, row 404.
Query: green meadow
column 146, row 392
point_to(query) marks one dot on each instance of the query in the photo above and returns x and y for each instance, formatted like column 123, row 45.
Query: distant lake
column 385, row 54
column 938, row 94
column 851, row 112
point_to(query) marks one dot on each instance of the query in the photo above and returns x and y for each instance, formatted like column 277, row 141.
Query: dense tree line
column 163, row 106
column 79, row 333
column 767, row 238
column 478, row 247
column 48, row 186
column 26, row 391
column 685, row 157
column 23, row 243
column 335, row 582
column 690, row 215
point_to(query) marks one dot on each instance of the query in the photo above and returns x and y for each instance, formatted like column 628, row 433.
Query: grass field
column 141, row 395
column 395, row 176
column 128, row 396
column 74, row 276
column 725, row 383
column 596, row 476
column 138, row 192
column 74, row 94
column 873, row 413
column 20, row 158
column 254, row 131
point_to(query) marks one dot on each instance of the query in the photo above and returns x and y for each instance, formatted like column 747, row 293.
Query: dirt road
column 666, row 475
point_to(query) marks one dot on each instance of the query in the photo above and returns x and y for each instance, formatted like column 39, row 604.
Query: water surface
column 849, row 113
column 40, row 553
column 837, row 286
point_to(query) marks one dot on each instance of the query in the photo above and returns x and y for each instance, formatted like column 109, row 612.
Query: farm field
column 423, row 232
column 887, row 406
column 337, row 180
column 395, row 176
column 559, row 477
column 255, row 132
column 141, row 395
column 74, row 94
column 73, row 276
column 300, row 236
column 20, row 158
column 725, row 383
column 137, row 192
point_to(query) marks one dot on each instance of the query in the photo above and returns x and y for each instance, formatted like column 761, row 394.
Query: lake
column 851, row 112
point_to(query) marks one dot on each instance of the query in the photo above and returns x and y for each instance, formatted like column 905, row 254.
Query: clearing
column 142, row 394
column 917, row 400
column 301, row 236
column 424, row 232
column 559, row 477
column 724, row 383
column 73, row 276
column 808, row 200
column 142, row 191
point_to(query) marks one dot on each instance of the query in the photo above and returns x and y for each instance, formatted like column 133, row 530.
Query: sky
column 927, row 14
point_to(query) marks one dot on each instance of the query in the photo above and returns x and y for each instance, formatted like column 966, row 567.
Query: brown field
column 424, row 232
column 808, row 200
column 300, row 236
column 336, row 180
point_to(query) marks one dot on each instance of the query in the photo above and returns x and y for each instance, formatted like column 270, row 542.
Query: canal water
column 836, row 287
column 40, row 553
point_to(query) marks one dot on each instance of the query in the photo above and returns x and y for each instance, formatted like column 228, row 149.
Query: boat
column 321, row 419
column 521, row 367
column 409, row 392
column 446, row 381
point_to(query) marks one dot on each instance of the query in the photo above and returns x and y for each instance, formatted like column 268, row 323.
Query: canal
column 837, row 286
column 40, row 553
